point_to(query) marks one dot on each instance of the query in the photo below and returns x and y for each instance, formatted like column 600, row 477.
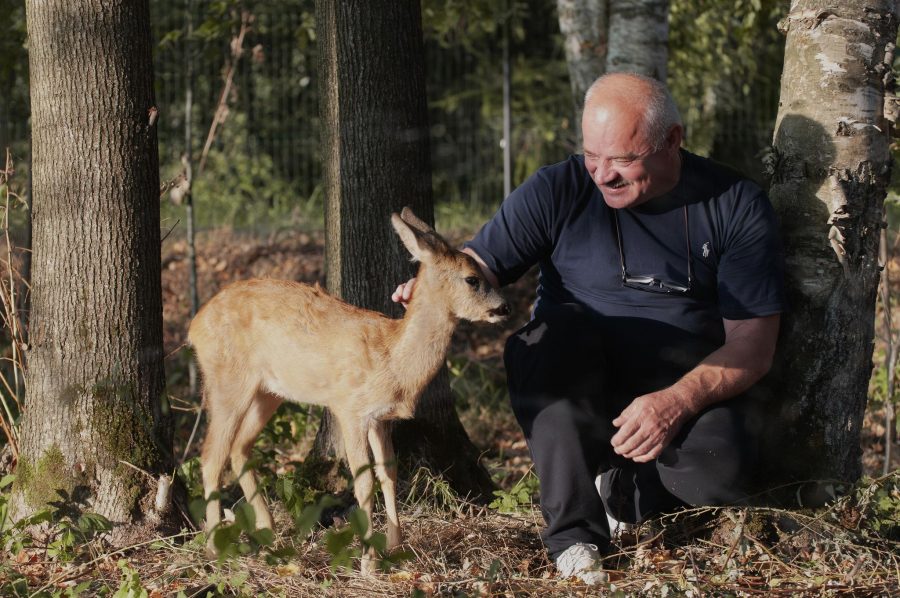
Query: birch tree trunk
column 94, row 428
column 376, row 160
column 831, row 169
column 612, row 36
column 638, row 37
column 583, row 25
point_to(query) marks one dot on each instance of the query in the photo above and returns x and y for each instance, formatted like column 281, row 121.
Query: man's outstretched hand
column 648, row 425
column 404, row 292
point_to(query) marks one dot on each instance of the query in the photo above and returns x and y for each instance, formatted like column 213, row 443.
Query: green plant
column 476, row 382
column 130, row 586
column 75, row 533
column 519, row 496
column 878, row 502
column 74, row 528
column 240, row 537
column 425, row 487
column 298, row 496
column 341, row 544
column 231, row 584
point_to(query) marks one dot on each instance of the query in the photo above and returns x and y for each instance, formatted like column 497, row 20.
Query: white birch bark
column 638, row 37
column 583, row 25
column 831, row 169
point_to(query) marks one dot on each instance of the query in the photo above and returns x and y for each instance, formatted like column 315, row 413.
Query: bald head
column 642, row 97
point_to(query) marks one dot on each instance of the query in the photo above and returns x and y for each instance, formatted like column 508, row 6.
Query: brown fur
column 260, row 342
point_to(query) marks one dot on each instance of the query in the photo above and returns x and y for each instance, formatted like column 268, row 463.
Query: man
column 657, row 311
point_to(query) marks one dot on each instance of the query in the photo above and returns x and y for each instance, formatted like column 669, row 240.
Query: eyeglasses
column 649, row 283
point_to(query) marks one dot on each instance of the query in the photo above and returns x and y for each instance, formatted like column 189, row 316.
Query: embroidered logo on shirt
column 706, row 249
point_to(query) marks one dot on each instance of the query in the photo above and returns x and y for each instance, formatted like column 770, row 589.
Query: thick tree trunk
column 831, row 170
column 94, row 424
column 638, row 37
column 376, row 152
column 583, row 25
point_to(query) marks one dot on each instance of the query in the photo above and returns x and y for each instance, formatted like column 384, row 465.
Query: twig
column 10, row 317
column 237, row 45
column 169, row 232
column 190, row 441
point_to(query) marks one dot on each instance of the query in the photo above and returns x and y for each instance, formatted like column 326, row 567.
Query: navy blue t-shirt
column 559, row 220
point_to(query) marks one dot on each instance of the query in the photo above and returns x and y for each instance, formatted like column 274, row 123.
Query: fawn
column 260, row 342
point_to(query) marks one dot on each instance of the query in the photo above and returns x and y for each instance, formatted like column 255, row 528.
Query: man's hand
column 648, row 425
column 404, row 292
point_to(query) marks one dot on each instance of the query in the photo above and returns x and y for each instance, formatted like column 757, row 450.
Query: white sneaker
column 616, row 528
column 584, row 562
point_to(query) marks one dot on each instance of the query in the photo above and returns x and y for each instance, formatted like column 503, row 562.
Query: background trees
column 95, row 426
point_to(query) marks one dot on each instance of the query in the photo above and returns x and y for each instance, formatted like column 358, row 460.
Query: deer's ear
column 413, row 240
column 419, row 238
column 413, row 220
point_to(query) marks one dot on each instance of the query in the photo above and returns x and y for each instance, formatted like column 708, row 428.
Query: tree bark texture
column 583, row 25
column 638, row 37
column 376, row 160
column 94, row 424
column 831, row 168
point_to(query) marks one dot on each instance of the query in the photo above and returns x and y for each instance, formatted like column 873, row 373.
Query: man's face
column 622, row 163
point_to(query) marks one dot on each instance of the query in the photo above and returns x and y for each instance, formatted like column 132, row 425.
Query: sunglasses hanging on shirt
column 651, row 284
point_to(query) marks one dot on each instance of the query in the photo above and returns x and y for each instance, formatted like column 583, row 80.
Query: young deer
column 260, row 342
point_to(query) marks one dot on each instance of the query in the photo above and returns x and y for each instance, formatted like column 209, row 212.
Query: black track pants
column 565, row 395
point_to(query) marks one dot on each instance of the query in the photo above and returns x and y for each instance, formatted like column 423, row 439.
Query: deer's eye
column 472, row 281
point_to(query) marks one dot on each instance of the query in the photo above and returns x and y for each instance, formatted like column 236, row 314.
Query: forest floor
column 454, row 547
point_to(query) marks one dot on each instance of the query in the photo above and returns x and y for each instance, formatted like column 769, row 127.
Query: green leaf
column 359, row 523
column 225, row 537
column 92, row 523
column 280, row 555
column 378, row 541
column 263, row 537
column 309, row 517
column 197, row 507
column 245, row 517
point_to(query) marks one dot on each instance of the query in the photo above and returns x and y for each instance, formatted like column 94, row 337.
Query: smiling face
column 620, row 159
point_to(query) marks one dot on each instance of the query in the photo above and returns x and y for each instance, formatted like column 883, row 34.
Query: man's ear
column 674, row 138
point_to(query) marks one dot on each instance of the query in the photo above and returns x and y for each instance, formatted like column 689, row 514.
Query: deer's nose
column 503, row 310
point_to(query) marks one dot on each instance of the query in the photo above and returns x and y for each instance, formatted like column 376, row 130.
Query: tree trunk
column 830, row 173
column 583, row 25
column 95, row 425
column 376, row 160
column 638, row 37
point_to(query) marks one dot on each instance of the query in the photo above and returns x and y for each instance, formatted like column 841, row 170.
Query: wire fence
column 266, row 154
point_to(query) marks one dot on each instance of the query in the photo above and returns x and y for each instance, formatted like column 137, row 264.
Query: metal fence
column 273, row 103
column 267, row 149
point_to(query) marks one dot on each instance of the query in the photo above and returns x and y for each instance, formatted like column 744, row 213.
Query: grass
column 455, row 548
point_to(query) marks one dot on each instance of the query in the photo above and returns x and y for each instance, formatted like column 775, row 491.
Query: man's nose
column 604, row 174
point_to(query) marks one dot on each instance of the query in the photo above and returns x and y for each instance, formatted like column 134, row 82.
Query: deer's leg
column 221, row 429
column 258, row 413
column 386, row 470
column 354, row 434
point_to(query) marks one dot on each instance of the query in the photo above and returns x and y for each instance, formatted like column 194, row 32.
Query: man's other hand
column 404, row 292
column 648, row 425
